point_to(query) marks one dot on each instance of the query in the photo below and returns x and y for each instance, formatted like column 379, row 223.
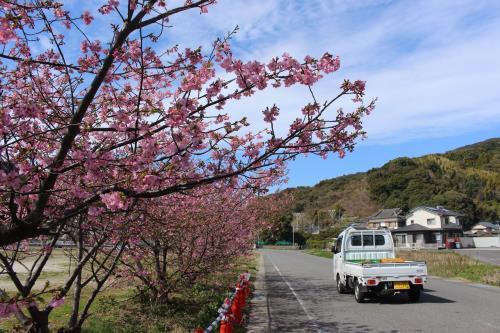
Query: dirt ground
column 56, row 270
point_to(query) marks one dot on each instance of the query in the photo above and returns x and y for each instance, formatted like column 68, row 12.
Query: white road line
column 488, row 324
column 308, row 314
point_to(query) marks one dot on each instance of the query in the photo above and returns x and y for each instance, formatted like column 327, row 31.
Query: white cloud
column 433, row 65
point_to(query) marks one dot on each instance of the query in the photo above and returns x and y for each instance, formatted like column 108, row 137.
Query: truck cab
column 364, row 262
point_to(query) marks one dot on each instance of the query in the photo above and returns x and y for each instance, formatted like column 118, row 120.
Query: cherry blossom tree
column 89, row 138
column 122, row 122
column 99, row 244
column 186, row 237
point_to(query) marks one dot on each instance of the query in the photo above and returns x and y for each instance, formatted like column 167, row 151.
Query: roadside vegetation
column 126, row 309
column 320, row 253
column 449, row 264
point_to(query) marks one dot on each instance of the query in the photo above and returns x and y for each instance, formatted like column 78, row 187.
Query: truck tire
column 414, row 294
column 359, row 295
column 341, row 289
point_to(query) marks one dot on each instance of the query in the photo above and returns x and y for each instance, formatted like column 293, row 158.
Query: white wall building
column 429, row 227
column 433, row 217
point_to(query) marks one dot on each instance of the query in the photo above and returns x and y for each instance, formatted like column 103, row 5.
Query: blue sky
column 434, row 66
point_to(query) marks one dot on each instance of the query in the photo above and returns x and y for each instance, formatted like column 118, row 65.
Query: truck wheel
column 340, row 287
column 414, row 294
column 359, row 295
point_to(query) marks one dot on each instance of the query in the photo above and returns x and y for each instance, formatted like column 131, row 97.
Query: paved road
column 302, row 298
column 488, row 255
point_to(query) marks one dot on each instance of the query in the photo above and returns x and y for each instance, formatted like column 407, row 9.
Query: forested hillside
column 466, row 179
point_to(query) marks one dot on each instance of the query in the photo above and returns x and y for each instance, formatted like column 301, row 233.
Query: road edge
column 259, row 319
column 464, row 281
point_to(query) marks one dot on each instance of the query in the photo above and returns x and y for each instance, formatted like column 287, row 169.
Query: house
column 485, row 228
column 431, row 227
column 392, row 218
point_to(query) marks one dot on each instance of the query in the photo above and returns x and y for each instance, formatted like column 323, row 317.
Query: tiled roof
column 387, row 214
column 452, row 226
column 418, row 227
column 439, row 210
column 489, row 225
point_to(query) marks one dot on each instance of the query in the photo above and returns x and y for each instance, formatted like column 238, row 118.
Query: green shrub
column 283, row 243
column 319, row 244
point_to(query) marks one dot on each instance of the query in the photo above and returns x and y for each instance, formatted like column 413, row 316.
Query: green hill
column 466, row 179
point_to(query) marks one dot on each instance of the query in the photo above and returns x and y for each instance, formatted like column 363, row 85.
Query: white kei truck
column 364, row 262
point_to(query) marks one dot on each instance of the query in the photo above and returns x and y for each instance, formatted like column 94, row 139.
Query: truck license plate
column 402, row 285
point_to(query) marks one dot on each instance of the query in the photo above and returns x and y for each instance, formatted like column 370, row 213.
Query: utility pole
column 295, row 223
column 317, row 220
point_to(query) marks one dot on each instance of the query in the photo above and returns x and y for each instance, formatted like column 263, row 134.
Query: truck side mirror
column 334, row 249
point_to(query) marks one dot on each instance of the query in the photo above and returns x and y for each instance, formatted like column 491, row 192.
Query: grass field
column 320, row 253
column 453, row 265
column 56, row 271
column 119, row 309
column 444, row 263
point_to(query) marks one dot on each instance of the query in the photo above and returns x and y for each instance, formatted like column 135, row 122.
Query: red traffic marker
column 240, row 295
column 226, row 326
column 236, row 310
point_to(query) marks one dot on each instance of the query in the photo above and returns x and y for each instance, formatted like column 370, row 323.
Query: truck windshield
column 367, row 240
column 379, row 240
column 356, row 240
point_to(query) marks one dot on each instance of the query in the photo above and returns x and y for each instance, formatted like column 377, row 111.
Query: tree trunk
column 78, row 283
column 40, row 321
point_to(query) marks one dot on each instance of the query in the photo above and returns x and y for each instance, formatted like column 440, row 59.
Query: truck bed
column 394, row 270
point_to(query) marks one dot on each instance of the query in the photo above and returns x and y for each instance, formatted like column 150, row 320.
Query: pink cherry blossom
column 6, row 31
column 59, row 12
column 87, row 17
column 7, row 309
column 56, row 302
column 114, row 201
column 271, row 114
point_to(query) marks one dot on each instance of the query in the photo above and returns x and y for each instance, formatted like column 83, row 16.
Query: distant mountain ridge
column 466, row 179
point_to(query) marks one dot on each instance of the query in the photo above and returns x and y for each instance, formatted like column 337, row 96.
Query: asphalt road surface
column 488, row 255
column 301, row 297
